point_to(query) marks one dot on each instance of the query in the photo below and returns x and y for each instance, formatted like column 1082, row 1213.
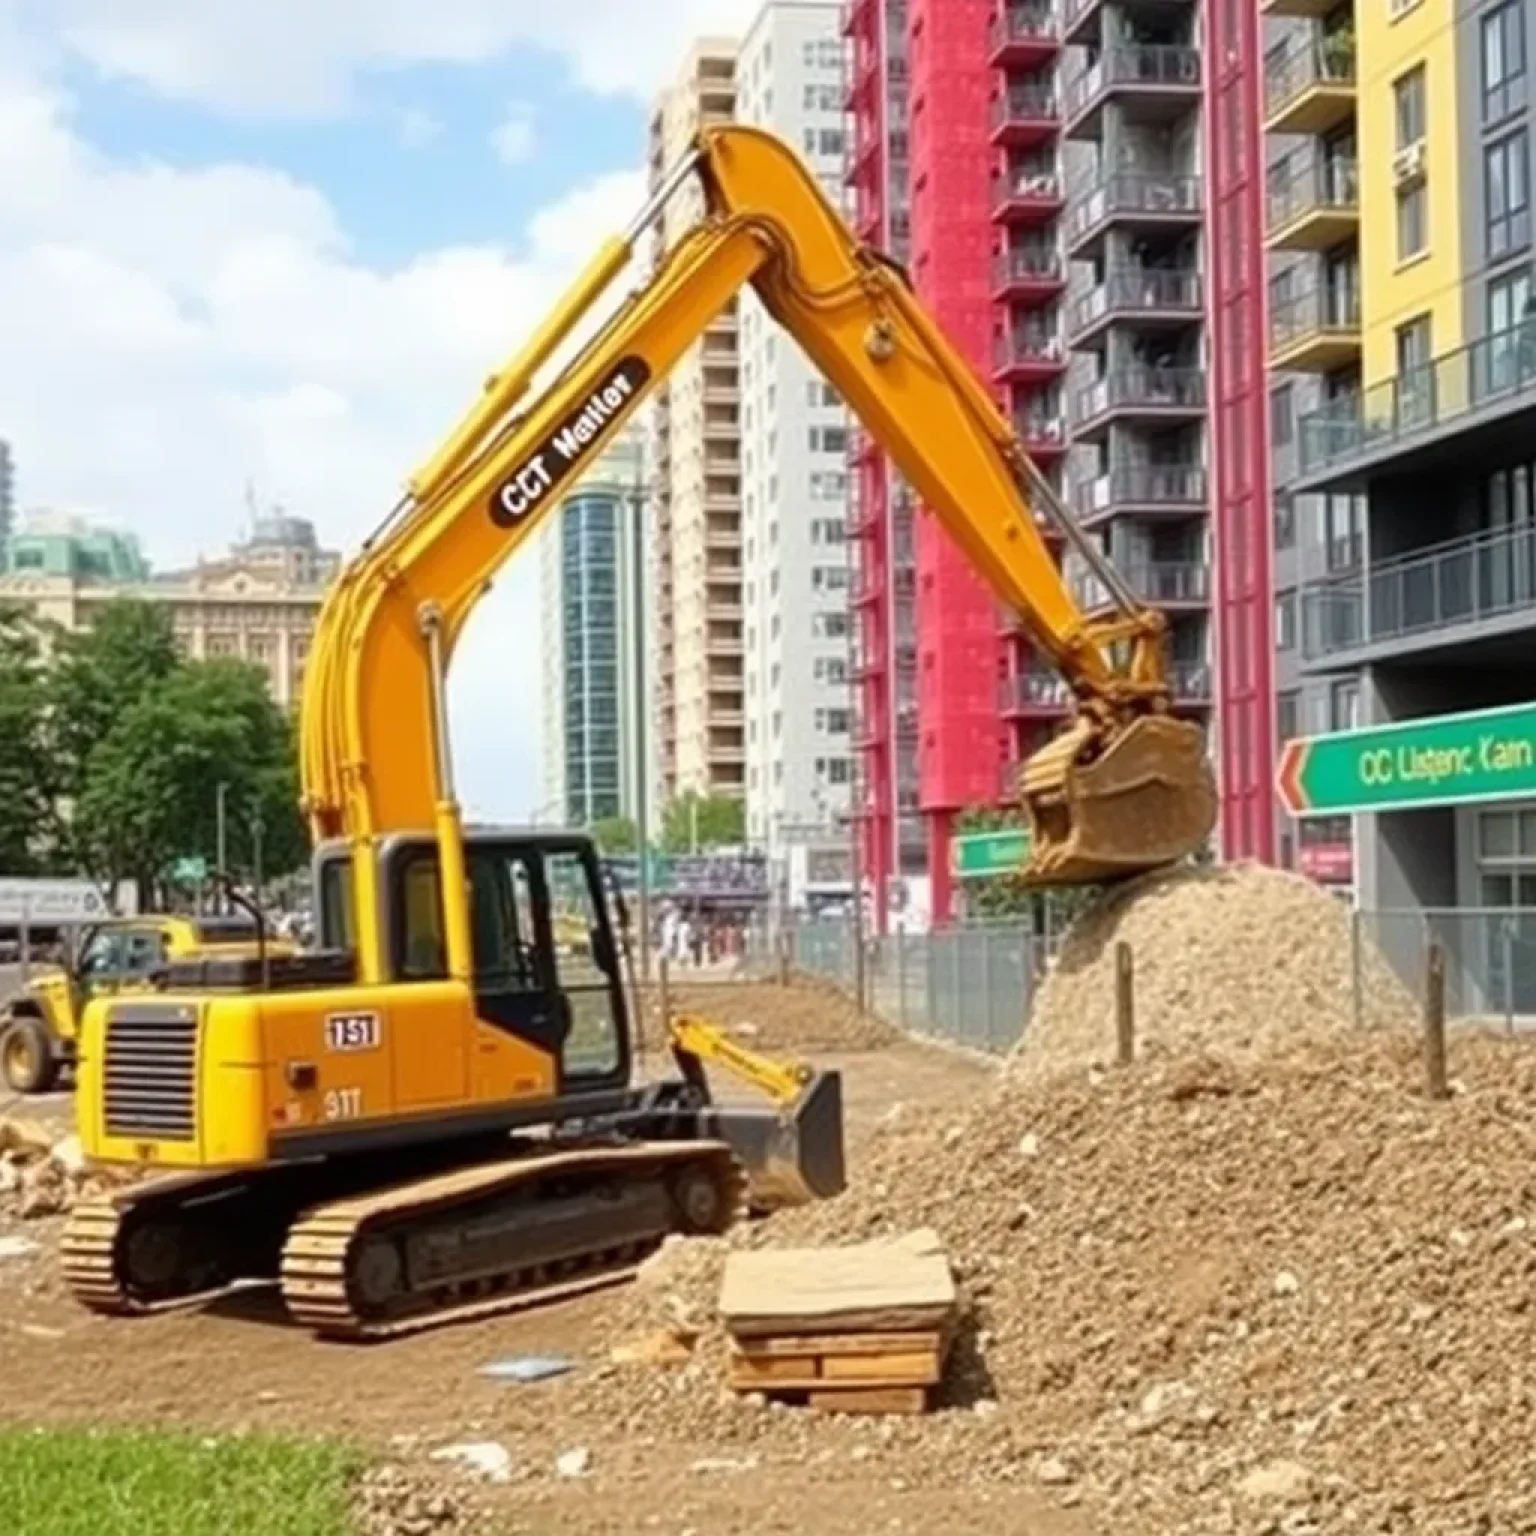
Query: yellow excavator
column 435, row 1114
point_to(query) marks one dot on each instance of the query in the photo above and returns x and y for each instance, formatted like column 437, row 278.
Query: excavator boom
column 1126, row 787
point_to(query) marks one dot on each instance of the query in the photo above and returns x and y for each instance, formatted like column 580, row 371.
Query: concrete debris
column 16, row 1247
column 1277, row 1482
column 391, row 1500
column 41, row 1175
column 573, row 1463
column 492, row 1461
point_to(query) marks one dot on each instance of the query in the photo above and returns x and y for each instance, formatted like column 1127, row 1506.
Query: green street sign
column 190, row 870
column 975, row 855
column 1448, row 760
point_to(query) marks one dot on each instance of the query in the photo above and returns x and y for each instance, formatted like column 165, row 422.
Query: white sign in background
column 51, row 901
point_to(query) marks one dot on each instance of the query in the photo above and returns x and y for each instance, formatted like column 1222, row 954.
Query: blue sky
column 282, row 244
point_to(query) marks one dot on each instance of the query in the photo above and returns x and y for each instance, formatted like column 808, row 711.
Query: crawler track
column 448, row 1246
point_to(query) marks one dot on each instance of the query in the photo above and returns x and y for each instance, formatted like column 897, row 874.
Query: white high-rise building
column 794, row 478
column 7, row 491
column 589, row 641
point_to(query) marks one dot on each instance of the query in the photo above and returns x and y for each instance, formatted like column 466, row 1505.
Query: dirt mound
column 1207, row 1294
column 806, row 1018
column 41, row 1175
column 1243, row 957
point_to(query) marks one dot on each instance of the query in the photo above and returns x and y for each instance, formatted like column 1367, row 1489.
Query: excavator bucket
column 1107, row 804
column 792, row 1155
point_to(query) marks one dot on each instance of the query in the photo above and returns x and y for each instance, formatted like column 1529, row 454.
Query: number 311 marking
column 343, row 1103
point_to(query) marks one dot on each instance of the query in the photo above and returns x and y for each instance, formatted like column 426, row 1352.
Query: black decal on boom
column 564, row 449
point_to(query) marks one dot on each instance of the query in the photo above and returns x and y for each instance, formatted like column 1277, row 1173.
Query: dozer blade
column 1105, row 806
column 791, row 1156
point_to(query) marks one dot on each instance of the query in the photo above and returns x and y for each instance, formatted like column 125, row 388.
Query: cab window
column 502, row 924
column 143, row 951
column 423, row 952
column 102, row 954
column 582, row 957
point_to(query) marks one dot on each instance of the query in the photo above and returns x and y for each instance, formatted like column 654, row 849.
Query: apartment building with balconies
column 1423, row 613
column 1132, row 89
column 696, row 484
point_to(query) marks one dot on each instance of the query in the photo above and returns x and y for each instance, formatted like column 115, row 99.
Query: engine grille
column 151, row 1074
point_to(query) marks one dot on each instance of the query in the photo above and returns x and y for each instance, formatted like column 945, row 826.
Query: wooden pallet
column 842, row 1372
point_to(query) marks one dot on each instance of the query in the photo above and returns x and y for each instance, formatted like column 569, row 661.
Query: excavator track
column 500, row 1236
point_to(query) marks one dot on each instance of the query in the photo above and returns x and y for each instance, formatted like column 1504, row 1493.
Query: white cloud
column 418, row 128
column 171, row 334
column 301, row 57
column 513, row 137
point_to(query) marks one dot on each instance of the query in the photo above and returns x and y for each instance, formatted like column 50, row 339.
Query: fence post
column 1356, row 970
column 1434, row 1022
column 1508, row 926
column 1125, row 1004
column 901, row 976
column 664, row 993
column 784, row 946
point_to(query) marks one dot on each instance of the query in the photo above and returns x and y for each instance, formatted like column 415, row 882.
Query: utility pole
column 638, row 706
column 221, row 851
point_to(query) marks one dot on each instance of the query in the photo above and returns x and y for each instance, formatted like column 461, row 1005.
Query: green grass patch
column 82, row 1482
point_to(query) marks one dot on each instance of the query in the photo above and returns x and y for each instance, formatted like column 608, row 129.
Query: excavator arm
column 1125, row 787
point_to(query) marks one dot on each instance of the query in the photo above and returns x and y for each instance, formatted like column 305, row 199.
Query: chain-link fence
column 975, row 985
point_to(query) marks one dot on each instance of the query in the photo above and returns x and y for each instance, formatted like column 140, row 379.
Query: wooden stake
column 1434, row 1023
column 1125, row 1004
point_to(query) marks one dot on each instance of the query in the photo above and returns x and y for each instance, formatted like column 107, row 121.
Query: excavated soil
column 1254, row 958
column 808, row 1018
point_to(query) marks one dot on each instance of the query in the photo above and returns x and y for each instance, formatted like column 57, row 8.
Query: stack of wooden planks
column 863, row 1329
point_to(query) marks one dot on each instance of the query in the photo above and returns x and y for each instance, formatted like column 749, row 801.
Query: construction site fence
column 975, row 985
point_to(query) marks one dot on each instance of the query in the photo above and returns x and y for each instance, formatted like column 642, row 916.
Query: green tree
column 616, row 834
column 152, row 783
column 700, row 821
column 100, row 673
column 29, row 827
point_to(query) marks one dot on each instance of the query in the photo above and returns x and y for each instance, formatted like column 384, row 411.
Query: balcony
column 1189, row 683
column 1025, row 197
column 1152, row 298
column 1159, row 583
column 1027, row 276
column 1309, row 83
column 1082, row 20
column 1033, row 355
column 1141, row 490
column 1141, row 202
column 1024, row 36
column 1315, row 9
column 1042, row 436
column 1157, row 81
column 1316, row 330
column 1025, row 115
column 1487, row 387
column 1034, row 691
column 1158, row 395
column 1312, row 202
column 1468, row 588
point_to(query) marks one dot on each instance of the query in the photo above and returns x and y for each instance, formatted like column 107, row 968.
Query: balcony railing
column 1319, row 309
column 1173, row 485
column 1304, row 184
column 1150, row 64
column 1153, row 581
column 1304, row 63
column 1036, row 429
column 1190, row 682
column 1027, row 186
column 1132, row 193
column 1148, row 289
column 1027, row 266
column 1483, row 376
column 1033, row 103
column 1034, row 688
column 1024, row 23
column 1463, row 581
column 1142, row 386
column 1041, row 347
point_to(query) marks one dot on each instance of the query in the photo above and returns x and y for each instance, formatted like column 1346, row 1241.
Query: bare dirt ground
column 238, row 1365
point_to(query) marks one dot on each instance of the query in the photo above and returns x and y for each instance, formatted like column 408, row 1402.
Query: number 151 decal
column 353, row 1032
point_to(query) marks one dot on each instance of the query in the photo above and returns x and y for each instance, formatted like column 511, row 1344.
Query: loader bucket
column 1107, row 804
column 794, row 1155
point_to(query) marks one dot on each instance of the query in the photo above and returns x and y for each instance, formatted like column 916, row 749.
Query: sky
column 281, row 245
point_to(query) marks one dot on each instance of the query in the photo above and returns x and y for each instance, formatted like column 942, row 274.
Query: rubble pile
column 43, row 1175
column 1272, row 1287
column 393, row 1500
column 1255, row 958
column 807, row 1019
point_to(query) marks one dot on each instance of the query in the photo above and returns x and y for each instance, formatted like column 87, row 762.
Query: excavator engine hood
column 792, row 1155
column 1105, row 803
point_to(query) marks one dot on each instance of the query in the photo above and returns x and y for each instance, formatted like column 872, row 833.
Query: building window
column 1282, row 416
column 1412, row 235
column 1285, row 522
column 1409, row 102
column 1288, row 715
column 1415, row 376
column 1503, row 61
column 1507, row 187
column 1344, row 705
column 1285, row 621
